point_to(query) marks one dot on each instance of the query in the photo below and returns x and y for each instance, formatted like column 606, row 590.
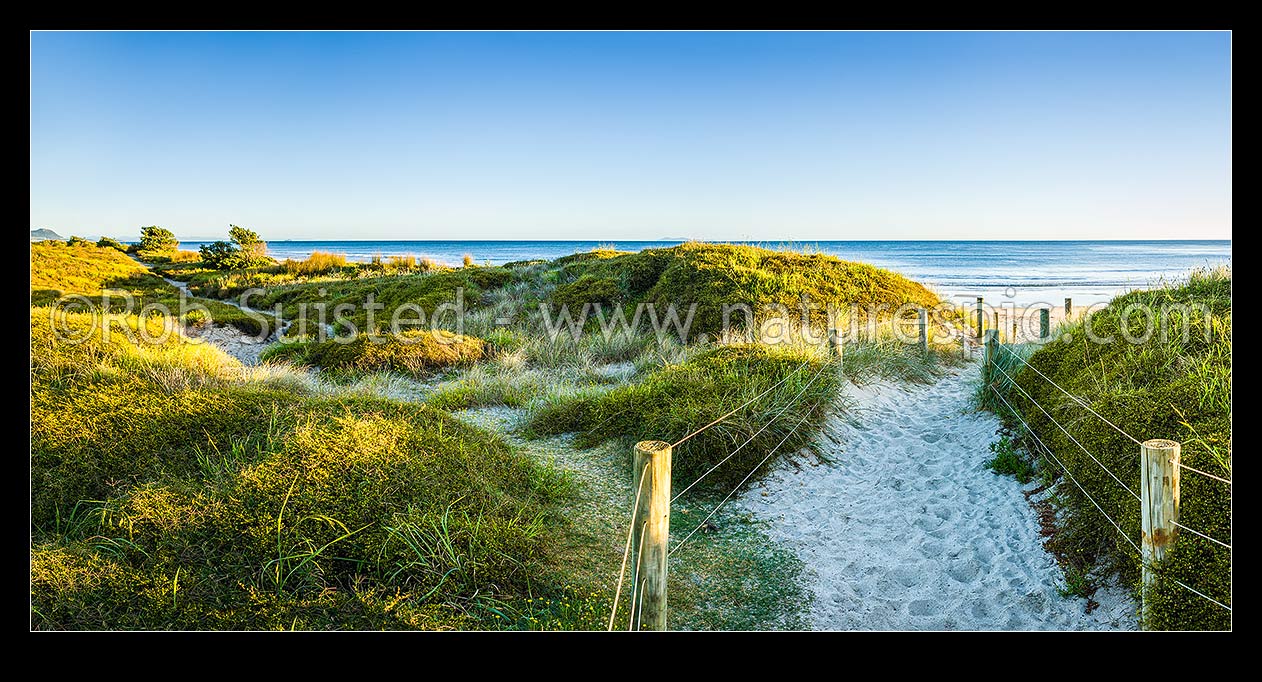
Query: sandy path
column 907, row 529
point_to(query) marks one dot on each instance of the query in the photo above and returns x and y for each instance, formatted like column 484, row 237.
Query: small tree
column 218, row 255
column 252, row 250
column 111, row 243
column 77, row 241
column 157, row 239
column 247, row 250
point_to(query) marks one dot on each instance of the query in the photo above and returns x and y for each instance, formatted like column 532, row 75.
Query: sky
column 624, row 136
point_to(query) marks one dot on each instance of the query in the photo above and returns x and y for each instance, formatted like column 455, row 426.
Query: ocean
column 1020, row 272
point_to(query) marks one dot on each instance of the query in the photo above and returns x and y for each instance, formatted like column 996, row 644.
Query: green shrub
column 1008, row 461
column 714, row 275
column 245, row 250
column 1167, row 387
column 156, row 239
column 110, row 243
column 414, row 352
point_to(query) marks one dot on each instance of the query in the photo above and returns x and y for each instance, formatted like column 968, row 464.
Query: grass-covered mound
column 675, row 400
column 354, row 286
column 172, row 490
column 1162, row 388
column 712, row 275
column 96, row 272
column 709, row 275
column 415, row 352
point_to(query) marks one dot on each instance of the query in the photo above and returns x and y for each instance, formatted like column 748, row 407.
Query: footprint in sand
column 908, row 530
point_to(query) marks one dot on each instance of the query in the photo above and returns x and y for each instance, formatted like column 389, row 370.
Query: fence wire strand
column 1096, row 505
column 1203, row 473
column 1072, row 397
column 746, row 404
column 1067, row 433
column 1048, row 450
column 639, row 581
column 626, row 552
column 1197, row 532
column 1201, row 595
column 747, row 442
column 747, row 476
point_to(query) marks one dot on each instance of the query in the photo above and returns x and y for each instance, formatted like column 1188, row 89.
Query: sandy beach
column 906, row 528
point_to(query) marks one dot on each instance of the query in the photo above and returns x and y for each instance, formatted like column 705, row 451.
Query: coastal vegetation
column 108, row 279
column 174, row 487
column 1166, row 373
column 245, row 250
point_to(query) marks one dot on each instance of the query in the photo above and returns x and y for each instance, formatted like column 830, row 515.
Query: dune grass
column 714, row 275
column 235, row 503
column 1165, row 387
column 107, row 277
column 318, row 263
column 414, row 352
column 671, row 402
column 174, row 488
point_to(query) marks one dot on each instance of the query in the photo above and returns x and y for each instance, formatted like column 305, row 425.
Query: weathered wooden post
column 1069, row 308
column 650, row 532
column 981, row 318
column 1014, row 327
column 994, row 320
column 1159, row 507
column 1044, row 324
column 988, row 356
column 924, row 331
column 835, row 341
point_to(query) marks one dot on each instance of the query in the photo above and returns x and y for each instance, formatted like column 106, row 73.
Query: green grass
column 708, row 275
column 234, row 503
column 107, row 276
column 1167, row 387
column 428, row 290
column 671, row 402
column 712, row 275
column 174, row 488
column 414, row 352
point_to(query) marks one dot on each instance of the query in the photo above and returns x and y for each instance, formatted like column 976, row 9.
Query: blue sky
column 619, row 136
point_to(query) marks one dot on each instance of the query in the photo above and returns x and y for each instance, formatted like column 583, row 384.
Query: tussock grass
column 1165, row 387
column 673, row 401
column 227, row 502
column 415, row 352
column 318, row 263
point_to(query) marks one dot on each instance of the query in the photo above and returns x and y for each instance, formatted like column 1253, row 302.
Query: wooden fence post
column 1014, row 326
column 649, row 535
column 981, row 318
column 988, row 357
column 1159, row 507
column 994, row 321
column 834, row 341
column 924, row 331
column 1044, row 324
column 1069, row 308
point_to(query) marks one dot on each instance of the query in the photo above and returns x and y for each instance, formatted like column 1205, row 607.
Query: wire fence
column 1049, row 454
column 1038, row 442
column 636, row 600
